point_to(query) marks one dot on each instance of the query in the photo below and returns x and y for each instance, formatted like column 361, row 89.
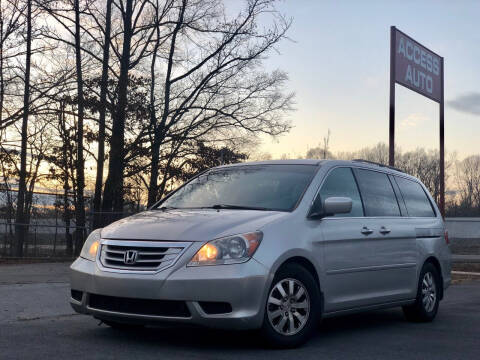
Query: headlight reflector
column 91, row 245
column 228, row 250
column 207, row 252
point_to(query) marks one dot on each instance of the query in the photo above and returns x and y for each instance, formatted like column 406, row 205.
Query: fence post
column 56, row 231
column 25, row 253
column 35, row 242
column 5, row 240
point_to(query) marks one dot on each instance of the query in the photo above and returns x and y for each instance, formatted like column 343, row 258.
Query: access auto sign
column 421, row 70
column 417, row 68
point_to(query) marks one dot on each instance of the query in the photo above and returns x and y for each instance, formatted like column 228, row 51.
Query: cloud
column 412, row 120
column 468, row 103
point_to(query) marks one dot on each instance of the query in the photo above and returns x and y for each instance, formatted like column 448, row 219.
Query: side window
column 340, row 182
column 377, row 193
column 416, row 201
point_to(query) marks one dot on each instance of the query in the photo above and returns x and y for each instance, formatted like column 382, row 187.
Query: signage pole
column 421, row 70
column 442, row 147
column 391, row 139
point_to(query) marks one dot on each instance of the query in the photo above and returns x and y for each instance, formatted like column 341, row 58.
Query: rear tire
column 426, row 305
column 292, row 309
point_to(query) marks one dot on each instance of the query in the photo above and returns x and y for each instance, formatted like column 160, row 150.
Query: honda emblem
column 130, row 257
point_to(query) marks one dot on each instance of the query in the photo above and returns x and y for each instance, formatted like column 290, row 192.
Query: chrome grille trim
column 152, row 256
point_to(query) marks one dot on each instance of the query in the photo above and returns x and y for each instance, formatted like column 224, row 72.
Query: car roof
column 277, row 162
column 315, row 162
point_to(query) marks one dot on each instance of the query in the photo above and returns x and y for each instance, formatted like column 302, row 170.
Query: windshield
column 262, row 187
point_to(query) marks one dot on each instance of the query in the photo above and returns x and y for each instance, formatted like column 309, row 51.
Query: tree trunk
column 66, row 213
column 2, row 84
column 113, row 192
column 152, row 189
column 153, row 185
column 66, row 186
column 97, row 199
column 21, row 227
column 80, row 170
column 159, row 130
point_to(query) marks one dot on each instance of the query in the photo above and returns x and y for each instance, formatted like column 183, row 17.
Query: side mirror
column 333, row 205
column 337, row 205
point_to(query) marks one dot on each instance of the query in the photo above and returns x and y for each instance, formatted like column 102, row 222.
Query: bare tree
column 97, row 200
column 468, row 182
column 131, row 54
column 321, row 151
column 167, row 83
column 11, row 12
column 154, row 170
column 426, row 166
column 80, row 165
column 222, row 88
column 61, row 159
column 326, row 141
column 21, row 215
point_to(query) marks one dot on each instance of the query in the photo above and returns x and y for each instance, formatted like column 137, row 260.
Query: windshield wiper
column 164, row 208
column 216, row 207
column 235, row 207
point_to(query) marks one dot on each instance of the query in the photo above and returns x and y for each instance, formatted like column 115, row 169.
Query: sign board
column 417, row 68
column 421, row 70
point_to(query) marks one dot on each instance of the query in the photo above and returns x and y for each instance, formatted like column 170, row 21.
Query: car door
column 348, row 245
column 421, row 217
column 395, row 254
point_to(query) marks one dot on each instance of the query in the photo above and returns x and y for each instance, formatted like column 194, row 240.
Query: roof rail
column 378, row 164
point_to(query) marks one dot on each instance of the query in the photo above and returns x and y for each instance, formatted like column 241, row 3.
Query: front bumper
column 243, row 286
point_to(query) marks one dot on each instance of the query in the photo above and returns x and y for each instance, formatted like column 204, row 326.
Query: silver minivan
column 274, row 246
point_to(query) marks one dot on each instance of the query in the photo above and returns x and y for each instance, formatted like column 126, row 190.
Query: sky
column 338, row 63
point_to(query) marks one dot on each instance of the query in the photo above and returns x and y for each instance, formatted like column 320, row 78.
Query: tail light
column 446, row 237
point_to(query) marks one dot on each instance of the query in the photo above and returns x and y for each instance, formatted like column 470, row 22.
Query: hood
column 189, row 225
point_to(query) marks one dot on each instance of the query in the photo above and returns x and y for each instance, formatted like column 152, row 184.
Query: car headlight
column 91, row 245
column 228, row 250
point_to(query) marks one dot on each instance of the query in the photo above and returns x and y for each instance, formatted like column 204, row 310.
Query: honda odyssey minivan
column 274, row 246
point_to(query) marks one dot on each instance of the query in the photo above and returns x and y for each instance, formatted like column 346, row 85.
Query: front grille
column 172, row 308
column 140, row 255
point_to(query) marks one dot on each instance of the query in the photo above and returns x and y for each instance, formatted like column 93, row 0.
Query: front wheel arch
column 291, row 270
column 308, row 265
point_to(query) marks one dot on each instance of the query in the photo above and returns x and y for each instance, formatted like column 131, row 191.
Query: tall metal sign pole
column 391, row 138
column 442, row 150
column 419, row 69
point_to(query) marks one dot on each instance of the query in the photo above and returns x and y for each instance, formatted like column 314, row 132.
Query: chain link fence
column 40, row 239
column 51, row 231
column 48, row 237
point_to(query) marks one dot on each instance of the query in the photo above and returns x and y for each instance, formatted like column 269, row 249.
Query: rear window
column 377, row 193
column 416, row 201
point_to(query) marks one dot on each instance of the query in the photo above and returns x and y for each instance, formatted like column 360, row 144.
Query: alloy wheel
column 288, row 306
column 429, row 292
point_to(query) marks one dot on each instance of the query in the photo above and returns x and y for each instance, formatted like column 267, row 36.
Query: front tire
column 426, row 305
column 293, row 307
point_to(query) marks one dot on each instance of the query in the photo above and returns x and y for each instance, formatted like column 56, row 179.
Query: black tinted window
column 416, row 200
column 340, row 182
column 377, row 193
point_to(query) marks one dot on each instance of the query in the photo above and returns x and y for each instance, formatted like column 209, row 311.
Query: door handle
column 366, row 231
column 384, row 230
